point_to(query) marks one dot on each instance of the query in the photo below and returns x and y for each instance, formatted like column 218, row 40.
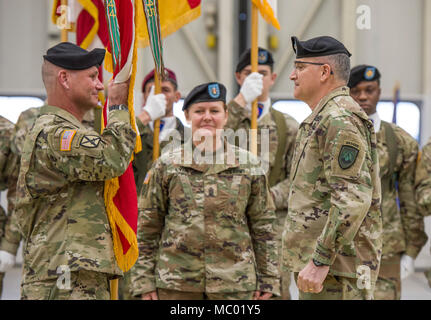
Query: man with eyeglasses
column 332, row 237
column 403, row 224
column 282, row 130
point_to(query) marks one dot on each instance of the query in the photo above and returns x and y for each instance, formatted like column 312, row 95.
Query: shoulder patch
column 348, row 154
column 90, row 141
column 66, row 140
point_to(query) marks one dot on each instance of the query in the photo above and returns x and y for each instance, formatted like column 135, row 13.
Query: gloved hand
column 156, row 105
column 7, row 261
column 252, row 87
column 407, row 266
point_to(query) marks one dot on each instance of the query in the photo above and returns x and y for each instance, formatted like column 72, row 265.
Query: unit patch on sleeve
column 90, row 141
column 347, row 156
column 66, row 140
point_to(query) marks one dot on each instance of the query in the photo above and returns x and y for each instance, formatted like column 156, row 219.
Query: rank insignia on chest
column 347, row 156
column 90, row 141
column 66, row 140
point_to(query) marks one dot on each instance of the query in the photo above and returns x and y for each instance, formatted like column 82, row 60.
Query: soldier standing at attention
column 7, row 260
column 205, row 226
column 403, row 224
column 332, row 238
column 423, row 187
column 68, row 250
column 282, row 130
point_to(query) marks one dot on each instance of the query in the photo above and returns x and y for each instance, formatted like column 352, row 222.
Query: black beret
column 206, row 92
column 70, row 56
column 363, row 72
column 317, row 47
column 264, row 57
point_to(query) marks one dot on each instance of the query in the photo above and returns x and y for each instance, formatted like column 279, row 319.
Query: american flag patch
column 66, row 140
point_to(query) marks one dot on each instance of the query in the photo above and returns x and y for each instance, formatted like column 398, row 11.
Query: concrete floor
column 414, row 288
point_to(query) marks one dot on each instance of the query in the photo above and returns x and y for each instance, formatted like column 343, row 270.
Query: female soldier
column 206, row 222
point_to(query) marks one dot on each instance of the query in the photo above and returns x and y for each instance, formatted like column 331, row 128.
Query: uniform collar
column 60, row 113
column 188, row 161
column 375, row 118
column 340, row 91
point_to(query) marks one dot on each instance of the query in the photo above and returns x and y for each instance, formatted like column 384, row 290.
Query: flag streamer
column 268, row 12
column 151, row 10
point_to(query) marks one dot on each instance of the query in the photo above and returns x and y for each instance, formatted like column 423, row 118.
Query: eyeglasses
column 313, row 63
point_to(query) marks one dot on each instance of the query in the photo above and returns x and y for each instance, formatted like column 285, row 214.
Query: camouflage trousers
column 336, row 288
column 124, row 288
column 285, row 275
column 388, row 285
column 166, row 294
column 1, row 283
column 84, row 285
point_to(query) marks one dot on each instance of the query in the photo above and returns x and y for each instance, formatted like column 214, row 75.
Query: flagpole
column 254, row 53
column 64, row 30
column 156, row 146
column 395, row 101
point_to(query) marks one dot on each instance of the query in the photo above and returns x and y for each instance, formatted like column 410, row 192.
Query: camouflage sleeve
column 412, row 219
column 236, row 115
column 261, row 216
column 347, row 161
column 281, row 190
column 85, row 155
column 423, row 180
column 152, row 205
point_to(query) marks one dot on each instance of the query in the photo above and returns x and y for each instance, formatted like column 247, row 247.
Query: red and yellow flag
column 120, row 193
column 173, row 15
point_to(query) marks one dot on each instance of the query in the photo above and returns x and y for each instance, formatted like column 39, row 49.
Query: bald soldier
column 68, row 250
column 423, row 187
column 281, row 128
column 11, row 236
column 403, row 224
column 332, row 237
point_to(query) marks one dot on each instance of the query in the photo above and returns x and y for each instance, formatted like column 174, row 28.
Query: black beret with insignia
column 363, row 72
column 317, row 47
column 72, row 57
column 264, row 57
column 206, row 92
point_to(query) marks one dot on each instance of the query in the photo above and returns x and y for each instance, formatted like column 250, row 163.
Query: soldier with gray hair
column 68, row 249
column 332, row 237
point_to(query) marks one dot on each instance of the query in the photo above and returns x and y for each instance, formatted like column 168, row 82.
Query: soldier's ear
column 63, row 79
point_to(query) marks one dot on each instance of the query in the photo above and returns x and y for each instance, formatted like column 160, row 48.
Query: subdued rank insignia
column 66, row 140
column 347, row 156
column 90, row 141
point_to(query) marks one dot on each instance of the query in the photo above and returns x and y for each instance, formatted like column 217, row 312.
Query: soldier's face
column 85, row 87
column 367, row 95
column 171, row 93
column 207, row 117
column 306, row 78
column 268, row 78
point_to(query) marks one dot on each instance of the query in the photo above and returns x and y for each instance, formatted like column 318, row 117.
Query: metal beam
column 299, row 33
column 199, row 54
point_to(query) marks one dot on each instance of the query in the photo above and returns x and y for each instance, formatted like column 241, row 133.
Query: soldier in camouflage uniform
column 332, row 238
column 155, row 106
column 282, row 130
column 205, row 226
column 423, row 187
column 12, row 238
column 6, row 128
column 68, row 250
column 403, row 224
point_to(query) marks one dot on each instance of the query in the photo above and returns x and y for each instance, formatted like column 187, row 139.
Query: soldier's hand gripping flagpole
column 151, row 10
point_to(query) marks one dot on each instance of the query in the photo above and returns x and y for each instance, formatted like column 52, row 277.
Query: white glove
column 252, row 87
column 156, row 105
column 407, row 266
column 7, row 261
